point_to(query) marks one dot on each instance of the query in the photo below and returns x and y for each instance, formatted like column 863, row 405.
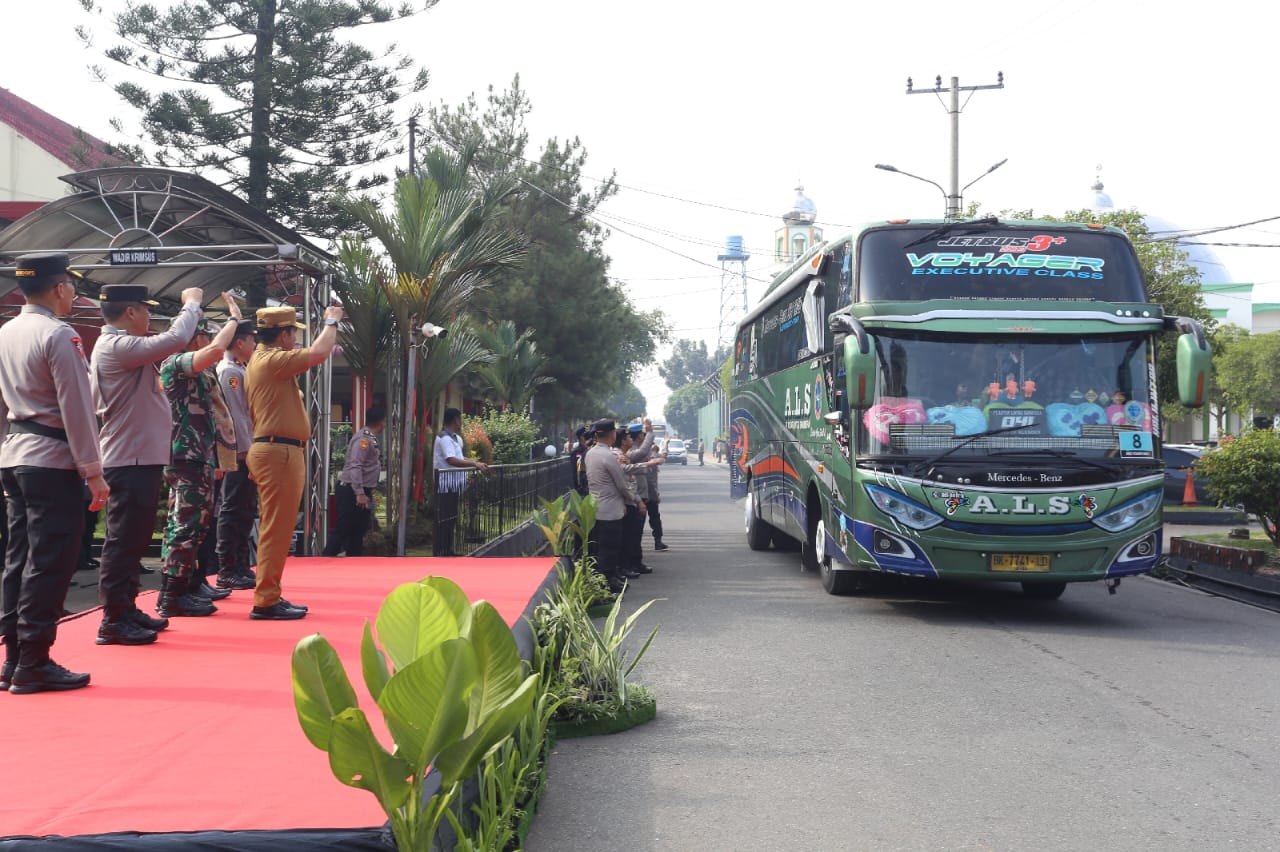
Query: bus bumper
column 1075, row 557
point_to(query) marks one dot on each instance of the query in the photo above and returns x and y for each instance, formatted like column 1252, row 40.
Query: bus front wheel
column 759, row 534
column 835, row 582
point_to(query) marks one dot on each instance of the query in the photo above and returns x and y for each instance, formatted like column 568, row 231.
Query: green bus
column 968, row 400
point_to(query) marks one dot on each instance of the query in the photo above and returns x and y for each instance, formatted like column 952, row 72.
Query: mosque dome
column 803, row 210
column 1211, row 268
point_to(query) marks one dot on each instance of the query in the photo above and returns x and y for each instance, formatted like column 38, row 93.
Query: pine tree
column 267, row 97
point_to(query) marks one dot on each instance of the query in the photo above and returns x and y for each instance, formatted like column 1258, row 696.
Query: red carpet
column 198, row 731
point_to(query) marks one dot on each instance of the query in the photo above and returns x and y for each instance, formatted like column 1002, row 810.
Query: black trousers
column 235, row 519
column 446, row 524
column 606, row 546
column 655, row 519
column 632, row 535
column 353, row 523
column 46, row 520
column 90, row 524
column 131, row 518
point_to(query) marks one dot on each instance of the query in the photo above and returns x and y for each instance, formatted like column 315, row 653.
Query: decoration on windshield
column 1007, row 263
column 889, row 411
column 966, row 419
column 1066, row 420
column 1039, row 242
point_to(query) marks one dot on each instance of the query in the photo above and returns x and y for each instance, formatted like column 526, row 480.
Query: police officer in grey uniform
column 48, row 455
column 239, row 493
column 354, row 494
column 136, row 421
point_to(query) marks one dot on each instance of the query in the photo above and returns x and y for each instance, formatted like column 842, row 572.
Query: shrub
column 475, row 440
column 1246, row 472
column 511, row 434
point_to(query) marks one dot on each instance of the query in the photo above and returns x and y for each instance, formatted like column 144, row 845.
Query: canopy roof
column 194, row 234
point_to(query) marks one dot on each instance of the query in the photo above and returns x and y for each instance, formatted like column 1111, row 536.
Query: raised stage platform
column 198, row 731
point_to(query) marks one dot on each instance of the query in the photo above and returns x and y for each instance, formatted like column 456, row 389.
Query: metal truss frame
column 201, row 236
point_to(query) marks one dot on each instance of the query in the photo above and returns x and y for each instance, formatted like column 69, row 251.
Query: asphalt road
column 922, row 717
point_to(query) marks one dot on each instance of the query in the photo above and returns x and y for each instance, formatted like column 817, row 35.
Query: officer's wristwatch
column 331, row 321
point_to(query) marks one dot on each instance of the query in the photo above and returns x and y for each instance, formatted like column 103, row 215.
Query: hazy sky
column 727, row 105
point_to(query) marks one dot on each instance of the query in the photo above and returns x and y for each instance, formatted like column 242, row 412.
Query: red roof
column 12, row 211
column 70, row 145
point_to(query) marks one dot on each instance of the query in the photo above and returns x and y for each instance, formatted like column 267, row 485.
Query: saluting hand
column 232, row 307
column 98, row 492
column 334, row 312
column 193, row 294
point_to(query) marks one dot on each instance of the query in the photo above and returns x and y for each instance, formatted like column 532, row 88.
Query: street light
column 428, row 331
column 953, row 203
column 888, row 168
column 984, row 174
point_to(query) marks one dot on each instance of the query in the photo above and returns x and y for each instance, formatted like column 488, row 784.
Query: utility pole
column 953, row 198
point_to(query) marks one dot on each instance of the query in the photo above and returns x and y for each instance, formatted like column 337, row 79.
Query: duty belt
column 275, row 439
column 31, row 427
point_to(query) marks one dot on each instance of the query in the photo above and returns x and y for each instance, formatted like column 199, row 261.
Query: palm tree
column 444, row 245
column 368, row 331
column 515, row 371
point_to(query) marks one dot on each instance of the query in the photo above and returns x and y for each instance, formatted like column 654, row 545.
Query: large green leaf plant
column 450, row 685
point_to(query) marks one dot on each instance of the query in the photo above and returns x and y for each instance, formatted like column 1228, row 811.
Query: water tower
column 733, row 290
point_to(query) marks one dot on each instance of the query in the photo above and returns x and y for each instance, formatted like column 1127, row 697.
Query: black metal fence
column 472, row 508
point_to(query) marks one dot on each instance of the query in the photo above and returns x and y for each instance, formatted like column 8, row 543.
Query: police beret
column 44, row 263
column 601, row 427
column 125, row 293
column 245, row 327
column 582, row 430
column 282, row 317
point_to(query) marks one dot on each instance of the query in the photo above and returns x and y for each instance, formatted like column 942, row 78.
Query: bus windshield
column 936, row 393
column 981, row 260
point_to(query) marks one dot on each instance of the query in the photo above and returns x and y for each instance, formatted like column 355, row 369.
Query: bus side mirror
column 1194, row 363
column 860, row 361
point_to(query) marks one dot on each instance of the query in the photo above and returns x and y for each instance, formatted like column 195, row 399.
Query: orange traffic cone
column 1189, row 491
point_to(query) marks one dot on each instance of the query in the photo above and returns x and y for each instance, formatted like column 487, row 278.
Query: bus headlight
column 1127, row 514
column 901, row 509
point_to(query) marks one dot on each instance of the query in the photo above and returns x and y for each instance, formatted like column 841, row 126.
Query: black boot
column 202, row 589
column 175, row 600
column 235, row 580
column 658, row 545
column 10, row 663
column 46, row 677
column 141, row 619
column 124, row 631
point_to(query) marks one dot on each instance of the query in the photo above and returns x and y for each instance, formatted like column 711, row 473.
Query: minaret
column 798, row 233
column 1102, row 202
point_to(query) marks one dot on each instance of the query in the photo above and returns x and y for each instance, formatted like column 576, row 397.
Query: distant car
column 676, row 453
column 1176, row 461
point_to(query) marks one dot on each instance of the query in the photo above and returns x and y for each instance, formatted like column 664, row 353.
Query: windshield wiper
column 942, row 230
column 918, row 466
column 1066, row 454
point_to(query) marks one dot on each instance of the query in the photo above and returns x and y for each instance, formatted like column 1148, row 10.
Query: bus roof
column 810, row 262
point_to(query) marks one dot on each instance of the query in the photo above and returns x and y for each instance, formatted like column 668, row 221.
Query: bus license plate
column 1020, row 562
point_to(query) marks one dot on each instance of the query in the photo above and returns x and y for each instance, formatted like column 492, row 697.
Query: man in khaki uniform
column 49, row 454
column 277, row 459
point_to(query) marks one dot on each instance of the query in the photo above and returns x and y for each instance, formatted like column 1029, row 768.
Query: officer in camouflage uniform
column 203, row 443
